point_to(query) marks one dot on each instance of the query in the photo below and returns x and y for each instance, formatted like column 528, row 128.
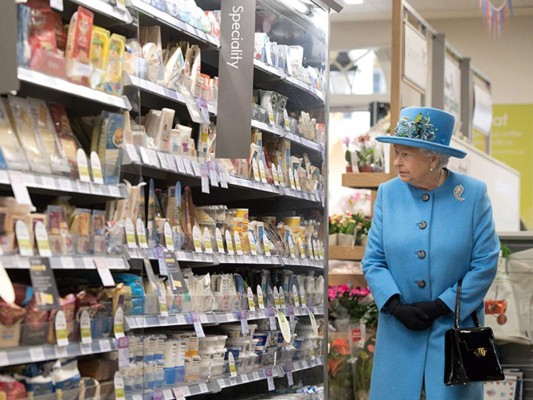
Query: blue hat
column 424, row 127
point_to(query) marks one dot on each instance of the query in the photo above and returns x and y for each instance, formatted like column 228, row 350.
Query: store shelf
column 280, row 132
column 24, row 355
column 354, row 253
column 53, row 185
column 211, row 318
column 154, row 15
column 165, row 93
column 65, row 87
column 67, row 262
column 281, row 77
column 105, row 9
column 176, row 167
column 365, row 180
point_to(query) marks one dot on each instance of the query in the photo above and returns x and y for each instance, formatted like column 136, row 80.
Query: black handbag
column 470, row 353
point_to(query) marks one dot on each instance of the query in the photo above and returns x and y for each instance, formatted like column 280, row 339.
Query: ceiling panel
column 382, row 9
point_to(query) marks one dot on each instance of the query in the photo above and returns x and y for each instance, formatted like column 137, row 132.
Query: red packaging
column 12, row 390
column 79, row 46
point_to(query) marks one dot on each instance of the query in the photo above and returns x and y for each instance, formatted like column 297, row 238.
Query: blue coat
column 420, row 244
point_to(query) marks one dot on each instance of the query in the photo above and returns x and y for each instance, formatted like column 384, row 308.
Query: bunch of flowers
column 335, row 223
column 340, row 371
column 357, row 304
column 356, row 224
column 419, row 128
column 363, row 152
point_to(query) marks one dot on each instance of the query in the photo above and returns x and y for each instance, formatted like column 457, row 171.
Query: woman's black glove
column 434, row 309
column 409, row 315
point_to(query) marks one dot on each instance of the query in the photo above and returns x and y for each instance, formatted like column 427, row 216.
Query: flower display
column 356, row 224
column 363, row 153
column 357, row 304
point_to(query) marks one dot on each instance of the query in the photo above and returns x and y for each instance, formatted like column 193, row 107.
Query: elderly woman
column 431, row 227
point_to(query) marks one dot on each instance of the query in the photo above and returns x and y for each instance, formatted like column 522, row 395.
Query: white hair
column 442, row 158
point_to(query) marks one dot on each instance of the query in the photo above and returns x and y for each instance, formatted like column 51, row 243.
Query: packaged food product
column 23, row 123
column 98, row 56
column 9, row 143
column 69, row 142
column 108, row 137
column 117, row 47
column 77, row 55
column 45, row 131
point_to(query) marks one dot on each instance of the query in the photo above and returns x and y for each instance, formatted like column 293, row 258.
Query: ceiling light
column 354, row 2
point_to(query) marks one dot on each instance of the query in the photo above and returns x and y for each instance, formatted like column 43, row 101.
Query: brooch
column 458, row 192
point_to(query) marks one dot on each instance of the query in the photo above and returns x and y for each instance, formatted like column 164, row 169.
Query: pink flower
column 346, row 141
column 371, row 348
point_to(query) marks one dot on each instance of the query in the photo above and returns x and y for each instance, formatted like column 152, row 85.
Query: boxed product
column 78, row 67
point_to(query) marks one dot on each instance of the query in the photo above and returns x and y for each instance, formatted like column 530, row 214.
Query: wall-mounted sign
column 415, row 57
column 452, row 89
column 482, row 109
column 236, row 74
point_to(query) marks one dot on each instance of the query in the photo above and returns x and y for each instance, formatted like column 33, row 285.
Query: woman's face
column 413, row 166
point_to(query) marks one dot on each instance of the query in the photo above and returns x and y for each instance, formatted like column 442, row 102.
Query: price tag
column 83, row 166
column 188, row 166
column 61, row 329
column 245, row 378
column 86, row 348
column 196, row 168
column 213, row 174
column 275, row 176
column 232, row 366
column 222, row 175
column 270, row 379
column 23, row 239
column 96, row 168
column 105, row 345
column 238, row 244
column 42, row 240
column 281, row 297
column 197, row 325
column 284, row 326
column 152, row 157
column 61, row 351
column 85, row 327
column 220, row 242
column 281, row 177
column 123, row 352
column 131, row 152
column 256, row 376
column 4, row 359
column 262, row 171
column 36, row 353
column 245, row 328
column 167, row 394
column 49, row 182
column 141, row 234
column 180, row 164
column 267, row 245
column 277, row 301
column 103, row 271
column 19, row 188
column 250, row 296
column 57, row 4
column 203, row 387
column 288, row 369
column 205, row 178
column 118, row 322
column 229, row 243
column 207, row 241
column 119, row 386
column 144, row 156
column 130, row 234
column 260, row 298
column 163, row 160
column 197, row 239
column 178, row 393
column 255, row 168
column 171, row 162
column 169, row 242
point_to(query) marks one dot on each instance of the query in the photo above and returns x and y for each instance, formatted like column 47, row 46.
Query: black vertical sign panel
column 236, row 74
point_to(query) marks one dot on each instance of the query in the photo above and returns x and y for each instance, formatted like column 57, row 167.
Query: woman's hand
column 411, row 316
column 434, row 309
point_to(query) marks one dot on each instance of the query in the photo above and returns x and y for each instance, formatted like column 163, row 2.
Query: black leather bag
column 470, row 353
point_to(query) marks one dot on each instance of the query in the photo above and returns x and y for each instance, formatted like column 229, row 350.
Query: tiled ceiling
column 382, row 9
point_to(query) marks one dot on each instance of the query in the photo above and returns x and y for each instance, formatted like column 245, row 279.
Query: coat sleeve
column 484, row 258
column 375, row 267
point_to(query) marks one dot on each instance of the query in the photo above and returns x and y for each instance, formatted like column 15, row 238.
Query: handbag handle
column 458, row 308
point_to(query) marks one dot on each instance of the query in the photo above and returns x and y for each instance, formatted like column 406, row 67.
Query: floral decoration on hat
column 419, row 128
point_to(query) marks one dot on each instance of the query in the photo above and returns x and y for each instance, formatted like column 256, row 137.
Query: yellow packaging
column 98, row 56
column 117, row 47
column 242, row 213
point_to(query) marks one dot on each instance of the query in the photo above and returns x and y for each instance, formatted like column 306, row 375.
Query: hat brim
column 440, row 148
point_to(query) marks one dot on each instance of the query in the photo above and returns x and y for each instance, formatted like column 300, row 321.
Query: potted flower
column 369, row 154
column 348, row 155
column 340, row 371
column 333, row 230
column 347, row 229
column 363, row 223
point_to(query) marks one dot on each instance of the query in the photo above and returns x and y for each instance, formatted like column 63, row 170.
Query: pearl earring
column 431, row 169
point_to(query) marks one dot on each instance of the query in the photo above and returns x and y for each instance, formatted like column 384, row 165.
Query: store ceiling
column 429, row 9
